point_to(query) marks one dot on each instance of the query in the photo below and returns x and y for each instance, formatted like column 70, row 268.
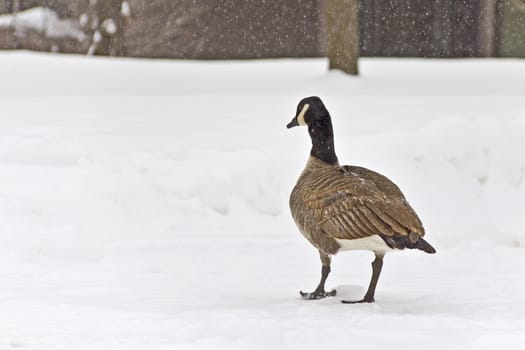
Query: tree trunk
column 15, row 8
column 342, row 21
column 487, row 30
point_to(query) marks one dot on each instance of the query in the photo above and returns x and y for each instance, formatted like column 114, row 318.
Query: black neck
column 322, row 136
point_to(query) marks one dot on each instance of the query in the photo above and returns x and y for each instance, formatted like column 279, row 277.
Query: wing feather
column 364, row 222
column 389, row 220
column 379, row 224
column 357, row 224
column 355, row 202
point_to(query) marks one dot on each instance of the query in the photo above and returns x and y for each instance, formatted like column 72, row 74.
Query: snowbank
column 142, row 142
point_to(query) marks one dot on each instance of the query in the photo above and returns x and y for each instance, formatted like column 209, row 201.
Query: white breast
column 373, row 243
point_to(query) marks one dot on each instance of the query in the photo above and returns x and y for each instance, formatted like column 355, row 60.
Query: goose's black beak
column 292, row 123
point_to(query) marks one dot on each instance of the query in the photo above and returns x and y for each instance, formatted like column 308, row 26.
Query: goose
column 340, row 208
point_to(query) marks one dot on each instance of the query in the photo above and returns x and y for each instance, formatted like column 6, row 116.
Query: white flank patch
column 373, row 243
column 300, row 118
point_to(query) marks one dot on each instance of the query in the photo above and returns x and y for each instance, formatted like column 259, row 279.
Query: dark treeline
column 211, row 29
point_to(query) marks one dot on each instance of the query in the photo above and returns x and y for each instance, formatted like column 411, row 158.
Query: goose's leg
column 377, row 264
column 319, row 292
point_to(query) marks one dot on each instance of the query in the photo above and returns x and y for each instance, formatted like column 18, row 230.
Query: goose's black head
column 312, row 113
column 310, row 109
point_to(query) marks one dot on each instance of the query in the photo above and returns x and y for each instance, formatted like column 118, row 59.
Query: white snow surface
column 144, row 204
column 43, row 20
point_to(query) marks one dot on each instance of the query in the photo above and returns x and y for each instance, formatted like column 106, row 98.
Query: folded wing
column 361, row 203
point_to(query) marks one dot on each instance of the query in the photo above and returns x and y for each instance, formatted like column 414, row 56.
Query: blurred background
column 226, row 29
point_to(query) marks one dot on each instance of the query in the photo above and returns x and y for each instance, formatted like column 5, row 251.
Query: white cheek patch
column 300, row 117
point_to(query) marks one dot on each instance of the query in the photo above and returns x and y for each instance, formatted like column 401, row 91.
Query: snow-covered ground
column 143, row 204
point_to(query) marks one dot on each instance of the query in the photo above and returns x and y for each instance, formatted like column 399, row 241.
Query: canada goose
column 341, row 208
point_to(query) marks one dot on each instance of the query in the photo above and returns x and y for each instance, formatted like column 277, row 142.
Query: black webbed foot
column 364, row 300
column 317, row 294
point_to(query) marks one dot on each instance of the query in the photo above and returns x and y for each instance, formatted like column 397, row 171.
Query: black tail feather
column 425, row 246
column 402, row 242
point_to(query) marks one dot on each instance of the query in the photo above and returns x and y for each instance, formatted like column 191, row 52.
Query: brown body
column 332, row 202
